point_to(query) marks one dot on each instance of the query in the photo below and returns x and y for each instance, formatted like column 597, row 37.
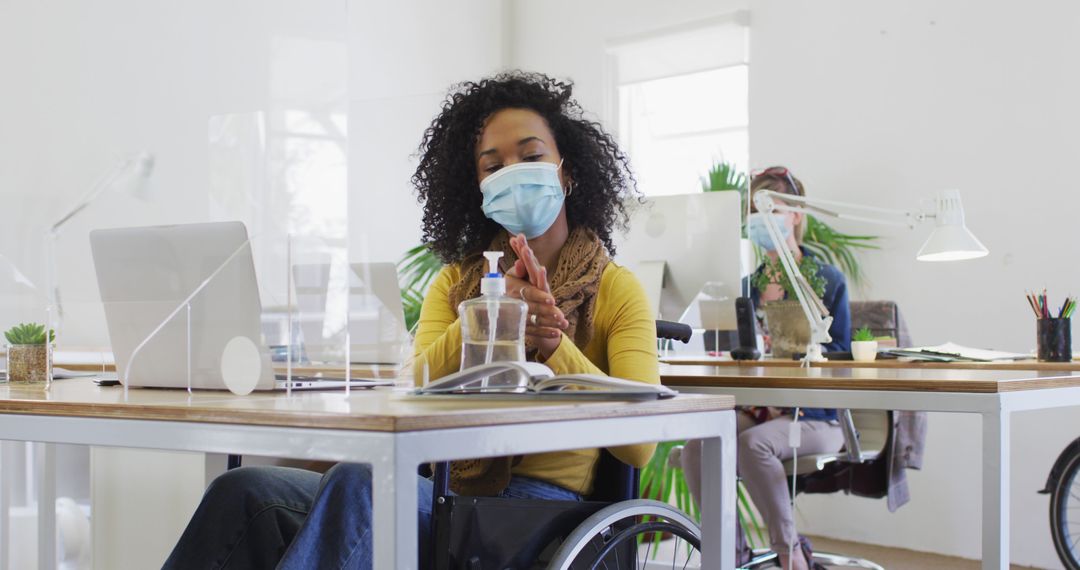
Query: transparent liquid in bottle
column 493, row 330
column 508, row 350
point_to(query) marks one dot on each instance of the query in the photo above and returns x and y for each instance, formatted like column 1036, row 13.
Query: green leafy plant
column 659, row 480
column 773, row 272
column 835, row 247
column 863, row 335
column 28, row 333
column 416, row 269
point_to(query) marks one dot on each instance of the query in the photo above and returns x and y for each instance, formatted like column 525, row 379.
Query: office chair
column 883, row 318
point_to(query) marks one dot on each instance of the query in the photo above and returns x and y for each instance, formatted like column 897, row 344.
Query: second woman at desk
column 509, row 164
column 763, row 432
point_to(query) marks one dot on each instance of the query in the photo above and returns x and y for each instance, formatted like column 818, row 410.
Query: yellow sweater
column 623, row 345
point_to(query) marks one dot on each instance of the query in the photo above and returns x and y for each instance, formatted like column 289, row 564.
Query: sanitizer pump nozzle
column 493, row 325
column 493, row 282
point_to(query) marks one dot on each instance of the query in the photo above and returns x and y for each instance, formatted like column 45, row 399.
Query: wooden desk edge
column 378, row 423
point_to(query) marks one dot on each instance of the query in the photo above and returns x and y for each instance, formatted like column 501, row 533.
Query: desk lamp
column 949, row 241
column 130, row 173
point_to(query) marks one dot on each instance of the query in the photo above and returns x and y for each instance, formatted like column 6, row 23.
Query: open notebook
column 531, row 379
column 951, row 352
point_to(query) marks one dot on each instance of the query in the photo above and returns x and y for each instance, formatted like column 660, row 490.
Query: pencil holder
column 1055, row 340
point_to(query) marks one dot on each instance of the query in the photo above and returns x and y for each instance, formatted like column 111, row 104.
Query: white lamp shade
column 951, row 240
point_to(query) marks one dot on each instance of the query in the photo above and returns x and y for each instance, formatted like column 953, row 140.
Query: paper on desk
column 952, row 351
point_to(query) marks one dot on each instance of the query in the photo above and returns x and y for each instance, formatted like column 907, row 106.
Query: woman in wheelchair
column 763, row 432
column 509, row 164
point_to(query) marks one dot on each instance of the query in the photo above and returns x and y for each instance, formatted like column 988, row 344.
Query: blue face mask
column 759, row 233
column 525, row 198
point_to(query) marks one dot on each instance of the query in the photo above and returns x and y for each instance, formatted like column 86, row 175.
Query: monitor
column 686, row 251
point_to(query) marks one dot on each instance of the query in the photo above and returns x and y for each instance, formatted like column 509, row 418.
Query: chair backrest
column 882, row 318
column 873, row 429
column 615, row 481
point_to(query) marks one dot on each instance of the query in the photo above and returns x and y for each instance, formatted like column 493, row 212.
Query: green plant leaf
column 744, row 506
column 416, row 269
column 773, row 272
column 863, row 335
column 29, row 333
column 837, row 248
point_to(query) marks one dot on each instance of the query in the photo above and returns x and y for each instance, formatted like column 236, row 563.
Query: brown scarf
column 574, row 285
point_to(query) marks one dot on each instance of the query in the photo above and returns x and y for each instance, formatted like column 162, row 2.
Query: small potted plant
column 864, row 345
column 28, row 353
column 788, row 329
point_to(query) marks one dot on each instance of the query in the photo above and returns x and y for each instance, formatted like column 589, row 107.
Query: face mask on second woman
column 758, row 233
column 525, row 198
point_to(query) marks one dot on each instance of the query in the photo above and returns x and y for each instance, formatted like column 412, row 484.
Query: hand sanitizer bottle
column 492, row 325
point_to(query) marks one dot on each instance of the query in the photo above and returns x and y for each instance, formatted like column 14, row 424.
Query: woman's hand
column 527, row 280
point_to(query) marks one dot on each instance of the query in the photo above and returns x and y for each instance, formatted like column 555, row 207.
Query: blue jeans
column 276, row 517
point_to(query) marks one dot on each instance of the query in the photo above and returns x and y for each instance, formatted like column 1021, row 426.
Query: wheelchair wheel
column 621, row 537
column 1065, row 514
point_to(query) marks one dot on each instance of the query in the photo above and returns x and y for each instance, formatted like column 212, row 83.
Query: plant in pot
column 864, row 345
column 28, row 353
column 788, row 329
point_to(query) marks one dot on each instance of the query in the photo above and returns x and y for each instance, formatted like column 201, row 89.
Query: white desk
column 393, row 433
column 993, row 394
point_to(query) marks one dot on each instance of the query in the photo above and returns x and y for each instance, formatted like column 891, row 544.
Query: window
column 683, row 104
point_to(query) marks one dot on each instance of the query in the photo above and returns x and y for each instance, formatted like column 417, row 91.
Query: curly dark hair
column 446, row 178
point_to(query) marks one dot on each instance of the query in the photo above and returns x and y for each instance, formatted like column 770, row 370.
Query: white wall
column 886, row 103
column 404, row 57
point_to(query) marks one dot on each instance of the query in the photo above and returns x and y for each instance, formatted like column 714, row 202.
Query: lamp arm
column 847, row 210
column 106, row 181
column 141, row 160
column 813, row 308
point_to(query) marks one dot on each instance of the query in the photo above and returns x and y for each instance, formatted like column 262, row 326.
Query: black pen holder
column 1055, row 340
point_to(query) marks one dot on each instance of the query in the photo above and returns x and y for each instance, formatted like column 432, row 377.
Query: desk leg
column 46, row 504
column 995, row 507
column 394, row 502
column 214, row 465
column 7, row 466
column 718, row 496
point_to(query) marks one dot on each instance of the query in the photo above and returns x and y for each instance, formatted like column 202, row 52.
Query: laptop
column 146, row 274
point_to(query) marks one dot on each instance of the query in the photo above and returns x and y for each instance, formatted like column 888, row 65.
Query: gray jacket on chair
column 885, row 476
column 905, row 452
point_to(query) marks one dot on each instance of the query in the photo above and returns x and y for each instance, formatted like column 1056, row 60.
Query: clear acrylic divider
column 195, row 321
column 712, row 316
column 315, row 313
column 81, row 349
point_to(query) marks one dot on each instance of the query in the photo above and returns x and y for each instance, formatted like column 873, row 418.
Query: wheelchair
column 611, row 529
